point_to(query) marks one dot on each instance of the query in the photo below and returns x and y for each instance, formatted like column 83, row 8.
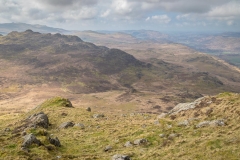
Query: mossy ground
column 115, row 129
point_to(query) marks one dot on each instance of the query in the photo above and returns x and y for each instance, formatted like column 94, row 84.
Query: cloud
column 84, row 13
column 229, row 10
column 159, row 18
column 60, row 4
column 121, row 12
column 105, row 14
column 184, row 16
column 122, row 7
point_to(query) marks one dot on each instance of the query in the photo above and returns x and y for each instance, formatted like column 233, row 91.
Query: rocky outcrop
column 39, row 119
column 185, row 106
column 36, row 120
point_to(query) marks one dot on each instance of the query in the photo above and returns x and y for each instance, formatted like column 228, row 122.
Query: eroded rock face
column 121, row 157
column 29, row 140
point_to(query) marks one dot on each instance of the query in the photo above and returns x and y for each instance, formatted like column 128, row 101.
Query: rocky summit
column 207, row 128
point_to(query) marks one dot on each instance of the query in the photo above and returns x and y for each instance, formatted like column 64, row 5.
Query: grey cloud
column 37, row 14
column 68, row 3
column 182, row 6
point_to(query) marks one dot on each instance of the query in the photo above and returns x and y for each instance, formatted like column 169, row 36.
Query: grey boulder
column 29, row 140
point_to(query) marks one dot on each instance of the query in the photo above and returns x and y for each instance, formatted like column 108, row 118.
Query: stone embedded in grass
column 30, row 139
column 55, row 141
column 107, row 148
column 66, row 125
column 203, row 124
column 162, row 115
column 213, row 123
column 132, row 114
column 128, row 144
column 88, row 109
column 49, row 147
column 162, row 135
column 7, row 130
column 156, row 122
column 121, row 157
column 172, row 136
column 183, row 123
column 80, row 125
column 98, row 116
column 140, row 141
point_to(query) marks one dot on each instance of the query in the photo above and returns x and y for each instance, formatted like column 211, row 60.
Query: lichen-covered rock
column 39, row 119
column 55, row 141
column 66, row 125
column 30, row 139
column 185, row 106
column 121, row 157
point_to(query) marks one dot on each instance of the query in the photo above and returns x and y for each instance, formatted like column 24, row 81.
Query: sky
column 160, row 15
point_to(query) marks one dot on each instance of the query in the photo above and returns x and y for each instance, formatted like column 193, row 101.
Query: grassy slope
column 115, row 130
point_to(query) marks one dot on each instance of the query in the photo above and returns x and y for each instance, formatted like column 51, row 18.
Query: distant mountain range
column 6, row 28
